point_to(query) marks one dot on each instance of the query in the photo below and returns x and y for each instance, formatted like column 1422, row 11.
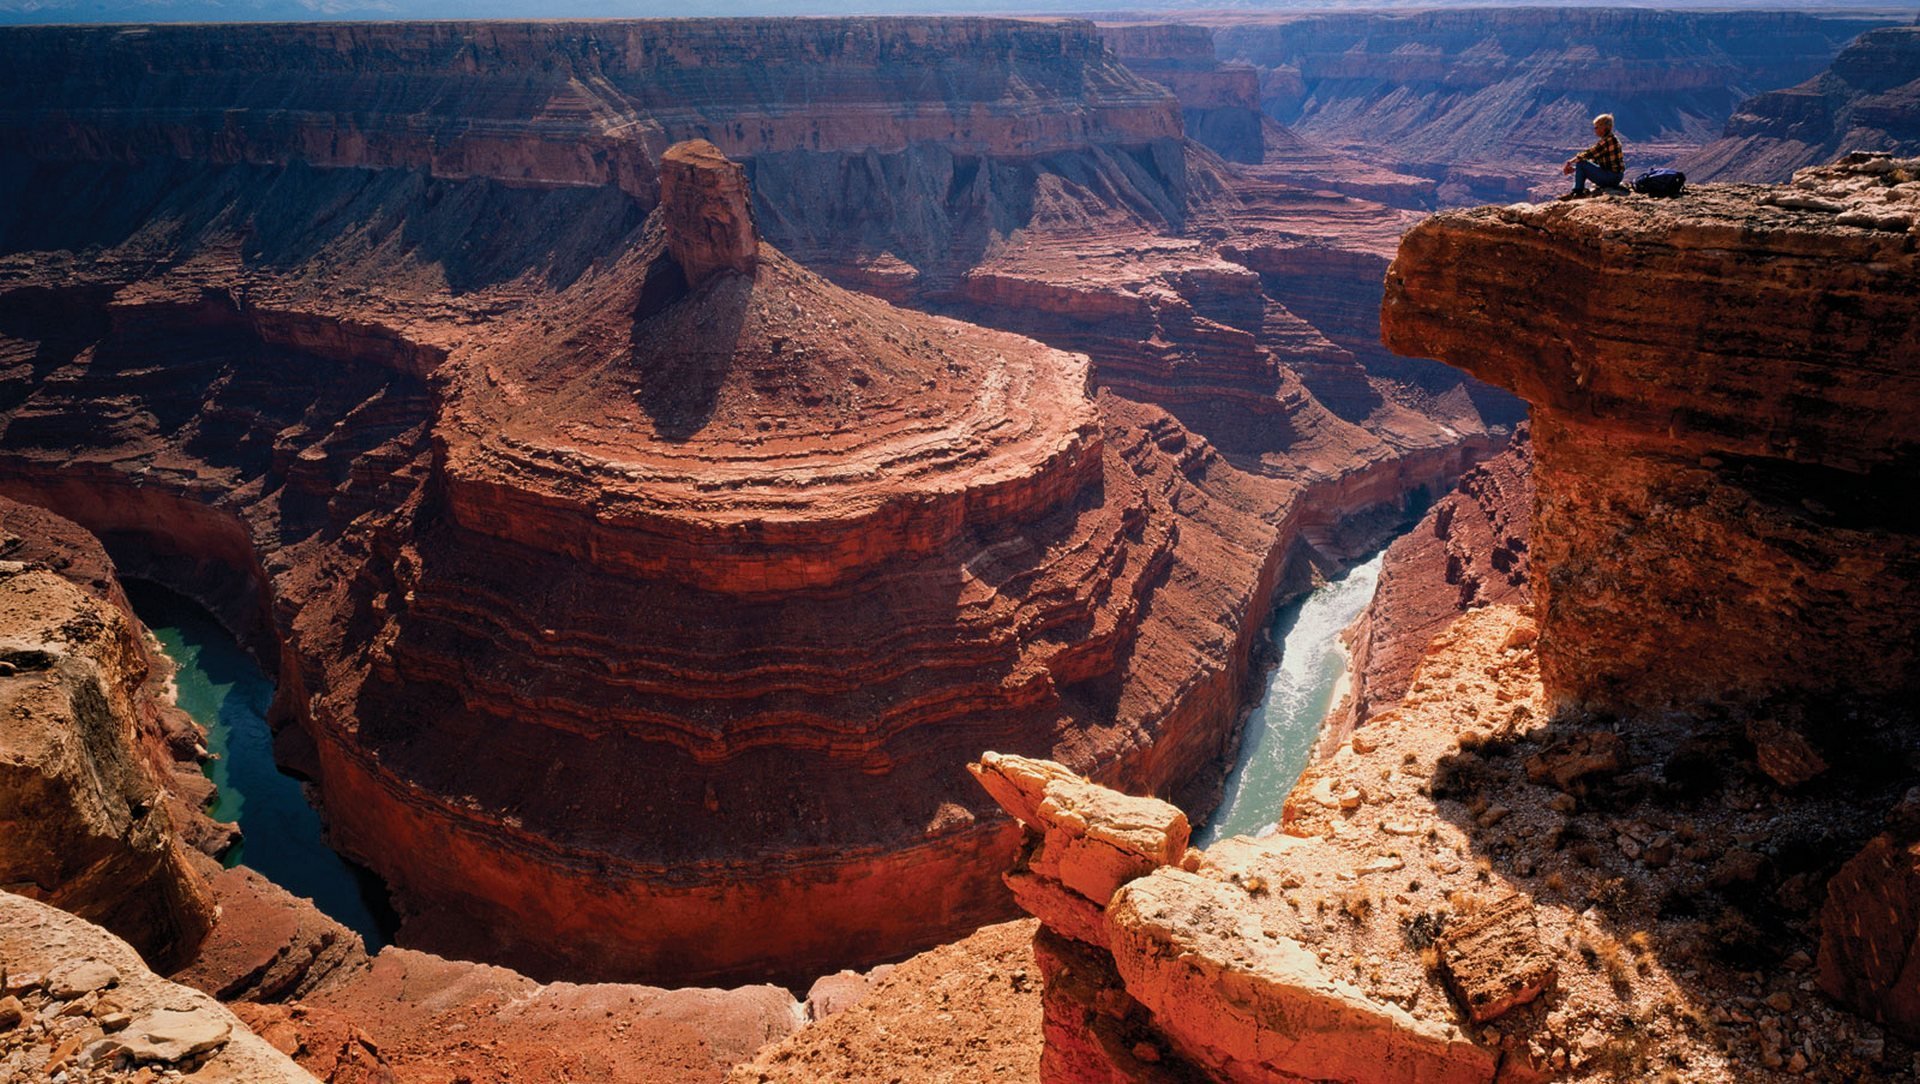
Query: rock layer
column 89, row 824
column 714, row 582
column 1162, row 971
column 1469, row 550
column 1866, row 101
column 1219, row 102
column 1714, row 430
column 1488, row 103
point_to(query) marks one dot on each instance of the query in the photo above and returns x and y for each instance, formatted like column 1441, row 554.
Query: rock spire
column 708, row 210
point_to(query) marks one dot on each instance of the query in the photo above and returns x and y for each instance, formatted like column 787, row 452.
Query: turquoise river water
column 224, row 689
column 1280, row 733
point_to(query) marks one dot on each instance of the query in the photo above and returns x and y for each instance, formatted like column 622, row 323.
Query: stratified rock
column 1219, row 102
column 88, row 827
column 169, row 1025
column 1868, row 100
column 269, row 945
column 1469, row 550
column 630, row 629
column 1256, row 1008
column 1870, row 934
column 1491, row 101
column 707, row 210
column 1494, row 961
column 1093, row 840
column 1718, row 414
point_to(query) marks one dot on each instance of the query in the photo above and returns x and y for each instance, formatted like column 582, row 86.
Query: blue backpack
column 1660, row 182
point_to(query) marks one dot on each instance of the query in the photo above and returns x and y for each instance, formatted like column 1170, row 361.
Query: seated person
column 1604, row 163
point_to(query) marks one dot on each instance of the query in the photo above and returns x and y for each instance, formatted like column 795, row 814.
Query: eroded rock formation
column 1469, row 550
column 1868, row 100
column 1159, row 966
column 1219, row 101
column 89, row 822
column 1488, row 103
column 713, row 580
column 1716, row 430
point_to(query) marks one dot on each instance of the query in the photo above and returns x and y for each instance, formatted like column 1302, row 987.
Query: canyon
column 636, row 593
column 1567, row 852
column 1485, row 104
column 657, row 461
column 1866, row 100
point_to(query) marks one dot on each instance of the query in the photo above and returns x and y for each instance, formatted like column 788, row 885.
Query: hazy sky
column 55, row 11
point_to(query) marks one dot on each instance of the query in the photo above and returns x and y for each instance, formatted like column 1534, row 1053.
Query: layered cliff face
column 1719, row 416
column 1036, row 184
column 1721, row 522
column 1868, row 100
column 1488, row 103
column 567, row 103
column 635, row 593
column 1219, row 102
column 84, row 760
column 97, row 802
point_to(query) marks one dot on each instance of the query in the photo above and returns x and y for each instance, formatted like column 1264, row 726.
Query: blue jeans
column 1584, row 171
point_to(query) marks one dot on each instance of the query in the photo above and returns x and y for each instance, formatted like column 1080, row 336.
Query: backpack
column 1660, row 182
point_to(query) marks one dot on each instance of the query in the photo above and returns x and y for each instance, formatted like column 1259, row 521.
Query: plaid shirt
column 1607, row 154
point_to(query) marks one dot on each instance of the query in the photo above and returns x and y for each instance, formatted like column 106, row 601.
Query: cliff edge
column 1724, row 396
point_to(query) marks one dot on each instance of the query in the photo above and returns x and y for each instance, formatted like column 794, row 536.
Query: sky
column 116, row 11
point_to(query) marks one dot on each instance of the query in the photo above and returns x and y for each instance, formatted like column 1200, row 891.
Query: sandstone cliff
column 1716, row 430
column 84, row 779
column 1219, row 102
column 1752, row 554
column 1868, row 100
column 1489, row 103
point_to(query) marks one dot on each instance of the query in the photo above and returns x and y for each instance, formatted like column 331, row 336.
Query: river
column 1280, row 733
column 225, row 691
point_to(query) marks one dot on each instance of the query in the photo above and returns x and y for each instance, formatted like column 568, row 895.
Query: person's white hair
column 1604, row 120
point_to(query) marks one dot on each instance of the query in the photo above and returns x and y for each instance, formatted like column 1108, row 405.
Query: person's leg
column 1606, row 178
column 1583, row 170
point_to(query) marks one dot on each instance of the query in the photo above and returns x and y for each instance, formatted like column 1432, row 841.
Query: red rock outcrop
column 1868, row 100
column 1870, row 933
column 83, row 793
column 1159, row 967
column 708, row 212
column 1488, row 103
column 1468, row 551
column 1714, row 431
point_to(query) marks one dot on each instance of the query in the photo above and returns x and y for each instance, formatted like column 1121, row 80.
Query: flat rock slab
column 1494, row 962
column 81, row 977
column 171, row 1035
